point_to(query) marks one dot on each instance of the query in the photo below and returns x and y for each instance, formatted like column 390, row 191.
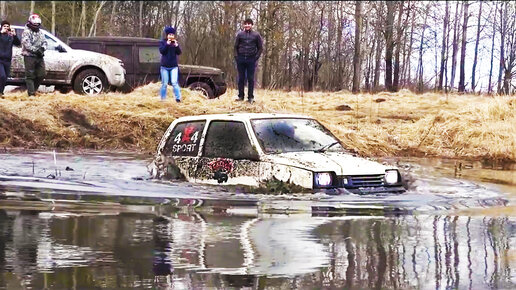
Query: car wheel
column 90, row 82
column 204, row 88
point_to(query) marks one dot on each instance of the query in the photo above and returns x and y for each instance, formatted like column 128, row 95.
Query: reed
column 384, row 124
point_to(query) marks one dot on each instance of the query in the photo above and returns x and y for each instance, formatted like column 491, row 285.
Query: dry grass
column 403, row 123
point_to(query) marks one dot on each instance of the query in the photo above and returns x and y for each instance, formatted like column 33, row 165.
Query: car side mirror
column 60, row 48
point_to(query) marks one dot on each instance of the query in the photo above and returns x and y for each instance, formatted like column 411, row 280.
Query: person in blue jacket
column 8, row 38
column 169, row 49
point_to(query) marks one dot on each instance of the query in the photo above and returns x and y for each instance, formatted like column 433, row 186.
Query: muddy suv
column 85, row 72
column 141, row 59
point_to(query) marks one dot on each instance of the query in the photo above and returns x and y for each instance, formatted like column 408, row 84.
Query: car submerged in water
column 255, row 149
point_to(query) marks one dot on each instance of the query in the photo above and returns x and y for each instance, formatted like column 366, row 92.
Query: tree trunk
column 356, row 57
column 503, row 24
column 473, row 71
column 379, row 48
column 32, row 4
column 3, row 10
column 462, row 77
column 83, row 19
column 399, row 32
column 420, row 83
column 490, row 84
column 140, row 25
column 111, row 17
column 389, row 44
column 407, row 63
column 444, row 47
column 93, row 28
column 53, row 29
column 455, row 46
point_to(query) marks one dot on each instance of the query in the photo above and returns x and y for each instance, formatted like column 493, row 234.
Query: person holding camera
column 34, row 45
column 248, row 48
column 8, row 38
column 169, row 49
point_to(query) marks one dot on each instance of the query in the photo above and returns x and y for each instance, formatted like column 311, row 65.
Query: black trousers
column 246, row 67
column 5, row 68
column 34, row 73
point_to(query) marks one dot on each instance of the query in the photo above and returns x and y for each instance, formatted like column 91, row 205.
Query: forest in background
column 368, row 46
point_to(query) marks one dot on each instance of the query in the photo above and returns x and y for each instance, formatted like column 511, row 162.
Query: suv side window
column 228, row 139
column 185, row 139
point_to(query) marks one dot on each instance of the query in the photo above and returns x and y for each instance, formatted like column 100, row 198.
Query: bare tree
column 462, row 76
column 389, row 44
column 356, row 57
column 444, row 46
column 455, row 45
column 3, row 10
column 490, row 83
column 53, row 27
column 475, row 58
column 83, row 19
column 93, row 28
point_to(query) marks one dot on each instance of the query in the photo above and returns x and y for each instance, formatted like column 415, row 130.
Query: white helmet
column 34, row 19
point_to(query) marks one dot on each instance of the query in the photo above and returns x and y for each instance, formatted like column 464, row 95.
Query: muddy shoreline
column 402, row 125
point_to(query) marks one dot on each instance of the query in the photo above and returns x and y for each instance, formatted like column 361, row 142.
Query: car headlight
column 323, row 179
column 392, row 176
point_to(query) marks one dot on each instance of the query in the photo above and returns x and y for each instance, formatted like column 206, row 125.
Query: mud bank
column 385, row 124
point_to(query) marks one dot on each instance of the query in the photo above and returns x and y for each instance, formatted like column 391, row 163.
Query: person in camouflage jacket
column 33, row 49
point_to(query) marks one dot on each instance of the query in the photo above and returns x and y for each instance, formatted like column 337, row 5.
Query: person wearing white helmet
column 33, row 49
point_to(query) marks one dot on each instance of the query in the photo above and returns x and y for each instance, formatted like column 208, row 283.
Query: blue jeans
column 246, row 67
column 5, row 68
column 170, row 75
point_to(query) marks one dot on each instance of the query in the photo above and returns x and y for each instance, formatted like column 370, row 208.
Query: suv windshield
column 293, row 135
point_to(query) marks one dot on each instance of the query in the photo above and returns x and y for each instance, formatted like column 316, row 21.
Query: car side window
column 228, row 139
column 185, row 139
column 51, row 43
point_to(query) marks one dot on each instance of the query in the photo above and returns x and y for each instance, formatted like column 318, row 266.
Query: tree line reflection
column 45, row 249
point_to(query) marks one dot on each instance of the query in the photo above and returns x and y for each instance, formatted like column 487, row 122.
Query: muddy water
column 431, row 246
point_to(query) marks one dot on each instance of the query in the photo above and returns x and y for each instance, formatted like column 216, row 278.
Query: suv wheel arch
column 90, row 81
column 202, row 87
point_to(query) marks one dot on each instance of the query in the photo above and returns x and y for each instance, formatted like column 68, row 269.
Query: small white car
column 85, row 72
column 256, row 148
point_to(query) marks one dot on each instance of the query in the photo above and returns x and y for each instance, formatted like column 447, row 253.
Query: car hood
column 340, row 163
column 93, row 55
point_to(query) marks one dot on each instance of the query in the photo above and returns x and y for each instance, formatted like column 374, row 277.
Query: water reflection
column 191, row 250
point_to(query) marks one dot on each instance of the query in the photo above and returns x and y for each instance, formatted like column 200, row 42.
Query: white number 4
column 178, row 138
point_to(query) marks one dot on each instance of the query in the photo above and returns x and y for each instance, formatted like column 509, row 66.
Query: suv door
column 228, row 154
column 58, row 62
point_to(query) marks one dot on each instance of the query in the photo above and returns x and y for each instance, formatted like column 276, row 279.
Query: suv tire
column 90, row 82
column 204, row 88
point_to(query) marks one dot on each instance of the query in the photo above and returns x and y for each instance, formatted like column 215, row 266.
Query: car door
column 58, row 61
column 182, row 148
column 228, row 156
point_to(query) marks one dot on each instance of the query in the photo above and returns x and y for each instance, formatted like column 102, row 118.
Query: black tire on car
column 204, row 88
column 90, row 82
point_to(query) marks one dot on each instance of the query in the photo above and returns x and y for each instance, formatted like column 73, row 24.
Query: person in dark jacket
column 8, row 38
column 248, row 48
column 169, row 49
column 34, row 45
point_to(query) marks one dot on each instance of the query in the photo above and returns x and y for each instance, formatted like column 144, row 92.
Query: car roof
column 241, row 116
column 115, row 39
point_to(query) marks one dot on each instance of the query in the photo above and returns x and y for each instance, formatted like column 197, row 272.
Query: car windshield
column 294, row 135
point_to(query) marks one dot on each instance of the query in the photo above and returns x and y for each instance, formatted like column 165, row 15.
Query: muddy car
column 83, row 71
column 141, row 58
column 259, row 149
